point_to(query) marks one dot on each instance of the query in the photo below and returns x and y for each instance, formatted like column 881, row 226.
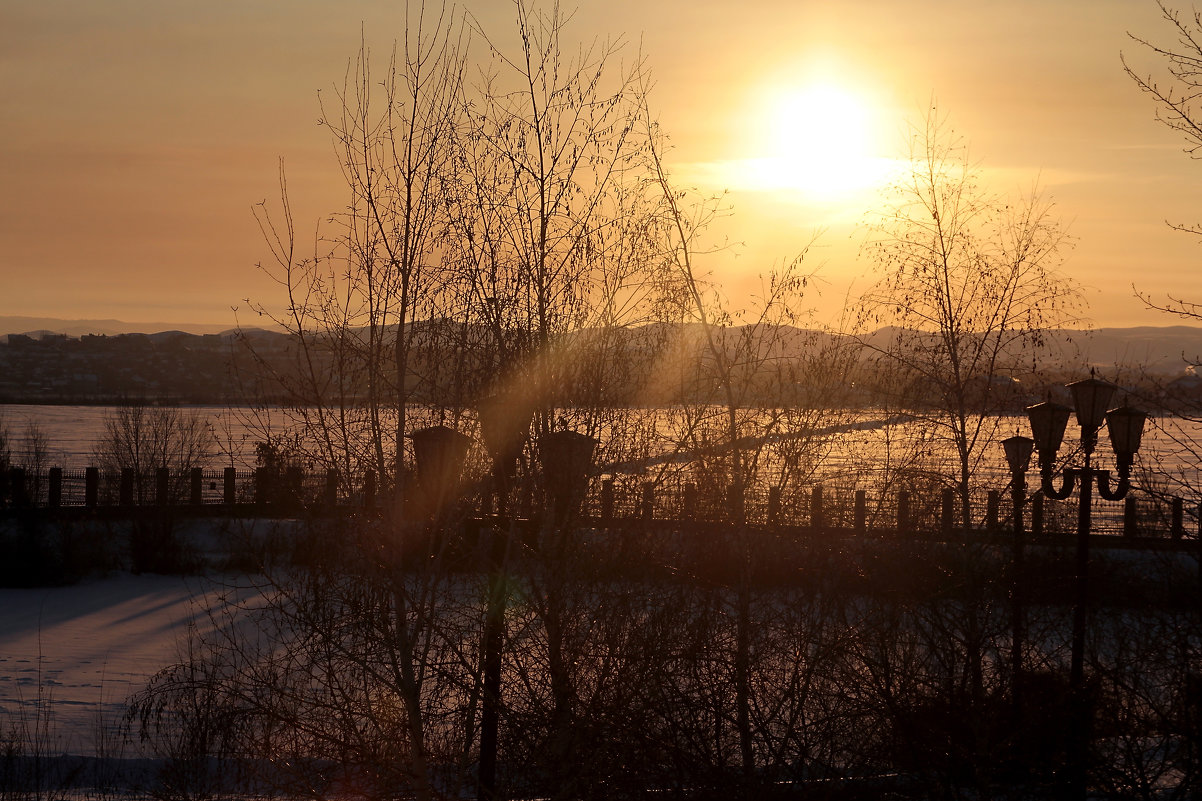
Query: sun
column 820, row 140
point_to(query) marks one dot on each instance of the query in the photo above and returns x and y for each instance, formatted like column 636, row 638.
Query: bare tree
column 145, row 438
column 355, row 308
column 1175, row 86
column 31, row 453
column 527, row 190
column 968, row 286
column 34, row 455
column 748, row 418
column 1175, row 90
column 550, row 238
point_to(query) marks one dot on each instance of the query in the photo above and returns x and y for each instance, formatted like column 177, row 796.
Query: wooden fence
column 264, row 492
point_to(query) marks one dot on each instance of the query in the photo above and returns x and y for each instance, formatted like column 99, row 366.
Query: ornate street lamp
column 1048, row 421
column 1091, row 397
column 504, row 428
column 439, row 452
column 1126, row 427
column 567, row 459
column 1018, row 455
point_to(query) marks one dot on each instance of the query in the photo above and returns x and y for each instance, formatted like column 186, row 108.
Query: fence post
column 17, row 482
column 262, row 479
column 738, row 511
column 91, row 486
column 229, row 488
column 294, row 481
column 1037, row 515
column 162, row 486
column 369, row 490
column 948, row 511
column 992, row 500
column 648, row 503
column 773, row 506
column 690, row 501
column 331, row 498
column 1178, row 518
column 607, row 500
column 817, row 519
column 1130, row 517
column 861, row 511
column 903, row 512
column 196, row 478
column 55, row 493
column 127, row 486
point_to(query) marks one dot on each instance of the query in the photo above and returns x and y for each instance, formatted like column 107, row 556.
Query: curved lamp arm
column 1124, row 483
column 1066, row 489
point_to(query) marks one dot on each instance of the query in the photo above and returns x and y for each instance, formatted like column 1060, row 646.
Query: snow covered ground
column 70, row 656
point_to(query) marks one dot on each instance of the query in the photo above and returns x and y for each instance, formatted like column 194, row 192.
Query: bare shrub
column 144, row 439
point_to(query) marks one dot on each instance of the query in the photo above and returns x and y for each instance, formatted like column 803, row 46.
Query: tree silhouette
column 968, row 284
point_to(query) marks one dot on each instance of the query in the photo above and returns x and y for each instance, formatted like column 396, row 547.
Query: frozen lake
column 72, row 432
column 1169, row 456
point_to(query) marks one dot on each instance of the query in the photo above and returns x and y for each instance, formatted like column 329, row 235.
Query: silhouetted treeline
column 233, row 367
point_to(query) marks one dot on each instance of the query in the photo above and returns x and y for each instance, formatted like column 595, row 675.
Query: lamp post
column 567, row 459
column 1091, row 397
column 439, row 452
column 1018, row 458
column 504, row 427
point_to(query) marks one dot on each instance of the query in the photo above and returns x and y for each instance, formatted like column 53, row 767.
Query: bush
column 143, row 439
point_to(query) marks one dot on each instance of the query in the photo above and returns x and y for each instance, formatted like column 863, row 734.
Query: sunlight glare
column 820, row 142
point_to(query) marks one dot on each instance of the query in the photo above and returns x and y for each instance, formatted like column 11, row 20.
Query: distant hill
column 1157, row 349
column 92, row 361
column 35, row 326
column 1148, row 350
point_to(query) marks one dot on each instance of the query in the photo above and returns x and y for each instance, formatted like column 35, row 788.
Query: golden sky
column 136, row 135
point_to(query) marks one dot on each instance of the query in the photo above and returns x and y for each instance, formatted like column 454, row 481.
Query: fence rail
column 605, row 500
column 91, row 487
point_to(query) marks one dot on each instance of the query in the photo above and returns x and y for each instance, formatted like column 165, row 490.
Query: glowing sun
column 821, row 141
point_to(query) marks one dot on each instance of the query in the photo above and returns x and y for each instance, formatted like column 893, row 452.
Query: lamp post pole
column 1091, row 397
column 1018, row 457
column 504, row 427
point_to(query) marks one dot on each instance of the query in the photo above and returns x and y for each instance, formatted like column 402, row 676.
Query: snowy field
column 70, row 656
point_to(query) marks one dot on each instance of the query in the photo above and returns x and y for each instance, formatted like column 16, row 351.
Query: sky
column 136, row 136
